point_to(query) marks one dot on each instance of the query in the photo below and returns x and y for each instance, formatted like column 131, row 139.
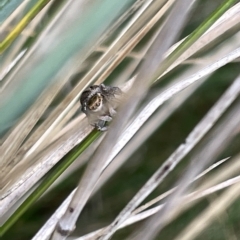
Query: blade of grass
column 135, row 40
column 210, row 185
column 226, row 22
column 216, row 208
column 22, row 24
column 193, row 37
column 53, row 175
column 7, row 65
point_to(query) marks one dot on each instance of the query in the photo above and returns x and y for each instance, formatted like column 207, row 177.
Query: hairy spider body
column 99, row 103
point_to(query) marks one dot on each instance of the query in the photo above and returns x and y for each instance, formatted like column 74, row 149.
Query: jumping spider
column 99, row 103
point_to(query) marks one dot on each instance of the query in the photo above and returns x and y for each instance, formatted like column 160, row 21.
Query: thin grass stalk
column 227, row 21
column 7, row 66
column 210, row 185
column 193, row 37
column 191, row 197
column 164, row 195
column 135, row 40
column 22, row 24
column 35, row 172
column 216, row 208
column 216, row 141
column 45, row 232
column 14, row 15
column 146, row 131
column 21, row 130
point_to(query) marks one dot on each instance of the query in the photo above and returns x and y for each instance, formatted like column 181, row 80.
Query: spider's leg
column 112, row 111
column 105, row 118
column 100, row 126
column 117, row 90
column 102, row 129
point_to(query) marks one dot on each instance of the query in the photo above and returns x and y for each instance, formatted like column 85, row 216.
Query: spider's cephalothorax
column 99, row 103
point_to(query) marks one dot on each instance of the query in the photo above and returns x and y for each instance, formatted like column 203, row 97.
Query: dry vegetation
column 161, row 58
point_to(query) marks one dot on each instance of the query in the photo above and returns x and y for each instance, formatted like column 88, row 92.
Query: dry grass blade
column 217, row 140
column 216, row 208
column 191, row 197
column 164, row 195
column 43, row 164
column 135, row 40
column 146, row 131
column 23, row 128
column 45, row 232
column 210, row 185
column 227, row 21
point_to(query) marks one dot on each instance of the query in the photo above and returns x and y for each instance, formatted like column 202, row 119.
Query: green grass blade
column 52, row 176
column 22, row 24
column 193, row 37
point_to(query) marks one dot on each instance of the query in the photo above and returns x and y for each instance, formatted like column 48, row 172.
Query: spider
column 99, row 103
